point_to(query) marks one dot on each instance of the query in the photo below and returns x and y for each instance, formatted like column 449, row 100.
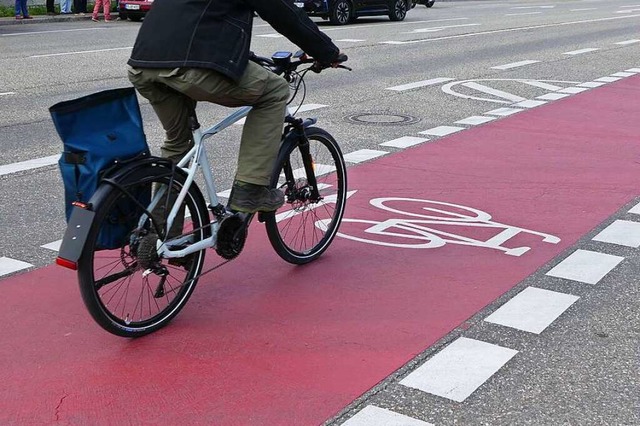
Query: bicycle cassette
column 232, row 235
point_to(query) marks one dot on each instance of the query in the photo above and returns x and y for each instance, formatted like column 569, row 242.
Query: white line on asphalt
column 532, row 310
column 529, row 103
column 363, row 155
column 625, row 42
column 581, row 51
column 303, row 108
column 270, row 35
column 55, row 31
column 522, row 14
column 608, row 79
column 376, row 416
column 630, row 5
column 515, row 65
column 621, row 232
column 494, row 92
column 574, row 90
column 553, row 96
column 459, row 369
column 623, row 74
column 534, row 7
column 55, row 245
column 503, row 112
column 28, row 165
column 434, row 29
column 635, row 209
column 404, row 142
column 441, row 130
column 507, row 30
column 592, row 84
column 475, row 120
column 81, row 52
column 8, row 266
column 347, row 27
column 7, row 93
column 541, row 85
column 422, row 83
column 351, row 40
column 584, row 9
column 633, row 70
column 585, row 266
column 628, row 11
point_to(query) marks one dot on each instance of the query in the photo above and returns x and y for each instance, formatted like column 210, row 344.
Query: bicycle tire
column 107, row 297
column 300, row 218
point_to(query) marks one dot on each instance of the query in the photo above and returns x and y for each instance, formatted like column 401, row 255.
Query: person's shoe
column 251, row 198
column 18, row 17
column 95, row 19
column 28, row 17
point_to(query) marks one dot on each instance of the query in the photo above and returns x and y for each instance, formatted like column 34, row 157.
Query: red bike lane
column 263, row 342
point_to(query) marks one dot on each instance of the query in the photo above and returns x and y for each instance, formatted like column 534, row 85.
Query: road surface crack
column 59, row 405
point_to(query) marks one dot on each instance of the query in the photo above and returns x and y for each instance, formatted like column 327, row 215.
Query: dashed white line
column 8, row 265
column 584, row 9
column 459, row 369
column 625, row 42
column 503, row 112
column 635, row 209
column 623, row 74
column 515, row 65
column 592, row 84
column 442, row 130
column 475, row 120
column 28, row 165
column 435, row 29
column 574, row 90
column 55, row 246
column 529, row 103
column 417, row 84
column 523, row 14
column 585, row 266
column 581, row 51
column 608, row 79
column 633, row 70
column 270, row 35
column 350, row 40
column 363, row 155
column 404, row 142
column 553, row 96
column 510, row 97
column 81, row 52
column 622, row 232
column 7, row 93
column 376, row 416
column 532, row 310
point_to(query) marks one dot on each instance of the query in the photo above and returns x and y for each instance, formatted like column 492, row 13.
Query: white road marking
column 417, row 84
column 434, row 29
column 515, row 65
column 81, row 52
column 628, row 11
column 608, row 79
column 534, row 7
column 553, row 96
column 270, row 35
column 592, row 84
column 29, row 164
column 523, row 13
column 404, row 142
column 507, row 30
column 494, row 92
column 621, row 232
column 350, row 40
column 541, row 85
column 303, row 108
column 503, row 112
column 459, row 369
column 532, row 310
column 363, row 155
column 585, row 266
column 55, row 246
column 581, row 51
column 574, row 90
column 529, row 104
column 224, row 194
column 54, row 31
column 623, row 74
column 378, row 25
column 376, row 416
column 442, row 130
column 633, row 70
column 7, row 93
column 625, row 42
column 584, row 9
column 635, row 209
column 8, row 265
column 475, row 120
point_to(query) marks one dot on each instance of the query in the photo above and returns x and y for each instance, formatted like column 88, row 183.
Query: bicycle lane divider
column 264, row 342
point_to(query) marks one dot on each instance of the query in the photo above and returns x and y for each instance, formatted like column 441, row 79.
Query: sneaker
column 251, row 198
column 18, row 17
column 95, row 19
column 28, row 17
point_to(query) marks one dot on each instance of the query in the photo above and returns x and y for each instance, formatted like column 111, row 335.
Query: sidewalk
column 40, row 19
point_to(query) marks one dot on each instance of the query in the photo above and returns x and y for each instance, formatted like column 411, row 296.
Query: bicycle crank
column 232, row 235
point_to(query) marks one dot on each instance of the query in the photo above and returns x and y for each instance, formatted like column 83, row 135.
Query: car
column 428, row 3
column 134, row 9
column 341, row 12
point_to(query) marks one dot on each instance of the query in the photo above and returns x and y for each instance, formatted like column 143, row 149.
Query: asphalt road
column 486, row 52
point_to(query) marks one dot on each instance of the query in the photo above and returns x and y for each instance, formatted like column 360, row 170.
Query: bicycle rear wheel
column 127, row 289
column 303, row 228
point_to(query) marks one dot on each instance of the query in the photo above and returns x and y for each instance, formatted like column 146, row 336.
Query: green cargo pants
column 173, row 94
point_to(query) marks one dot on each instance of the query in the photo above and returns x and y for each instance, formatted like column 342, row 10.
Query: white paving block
column 475, row 120
column 635, row 209
column 581, row 51
column 404, row 142
column 532, row 310
column 363, row 155
column 529, row 104
column 442, row 130
column 225, row 194
column 621, row 232
column 459, row 369
column 553, row 96
column 633, row 70
column 592, row 84
column 503, row 112
column 623, row 74
column 376, row 416
column 625, row 42
column 608, row 79
column 585, row 266
column 55, row 246
column 8, row 265
column 574, row 90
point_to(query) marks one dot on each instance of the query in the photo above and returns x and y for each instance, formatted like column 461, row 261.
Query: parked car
column 428, row 3
column 340, row 12
column 134, row 9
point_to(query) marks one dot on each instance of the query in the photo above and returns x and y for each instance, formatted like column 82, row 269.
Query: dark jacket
column 216, row 34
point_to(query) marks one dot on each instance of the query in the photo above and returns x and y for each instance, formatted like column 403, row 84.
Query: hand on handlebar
column 319, row 66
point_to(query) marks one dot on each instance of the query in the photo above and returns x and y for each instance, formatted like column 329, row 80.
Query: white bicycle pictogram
column 417, row 227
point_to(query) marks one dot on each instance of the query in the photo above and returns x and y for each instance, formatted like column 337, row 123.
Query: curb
column 39, row 19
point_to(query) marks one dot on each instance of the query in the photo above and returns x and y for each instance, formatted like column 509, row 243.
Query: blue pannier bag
column 99, row 132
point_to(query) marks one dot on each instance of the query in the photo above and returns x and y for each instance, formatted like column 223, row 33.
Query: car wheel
column 135, row 18
column 341, row 12
column 398, row 10
column 122, row 16
column 429, row 3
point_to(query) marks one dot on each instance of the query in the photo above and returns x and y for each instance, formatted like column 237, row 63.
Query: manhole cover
column 381, row 119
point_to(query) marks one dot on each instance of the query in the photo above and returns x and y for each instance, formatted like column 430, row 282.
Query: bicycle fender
column 75, row 237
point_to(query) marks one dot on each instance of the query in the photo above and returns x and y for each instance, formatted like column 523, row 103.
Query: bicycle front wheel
column 303, row 228
column 128, row 290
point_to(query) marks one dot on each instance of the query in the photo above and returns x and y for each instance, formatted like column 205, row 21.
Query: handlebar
column 280, row 63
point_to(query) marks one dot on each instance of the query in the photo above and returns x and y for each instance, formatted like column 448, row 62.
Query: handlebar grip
column 341, row 58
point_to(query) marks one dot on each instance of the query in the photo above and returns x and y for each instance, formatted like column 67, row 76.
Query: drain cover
column 381, row 119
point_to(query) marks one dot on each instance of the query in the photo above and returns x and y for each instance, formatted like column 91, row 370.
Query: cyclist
column 197, row 50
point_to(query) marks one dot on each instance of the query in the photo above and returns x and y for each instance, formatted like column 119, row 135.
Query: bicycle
column 140, row 286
